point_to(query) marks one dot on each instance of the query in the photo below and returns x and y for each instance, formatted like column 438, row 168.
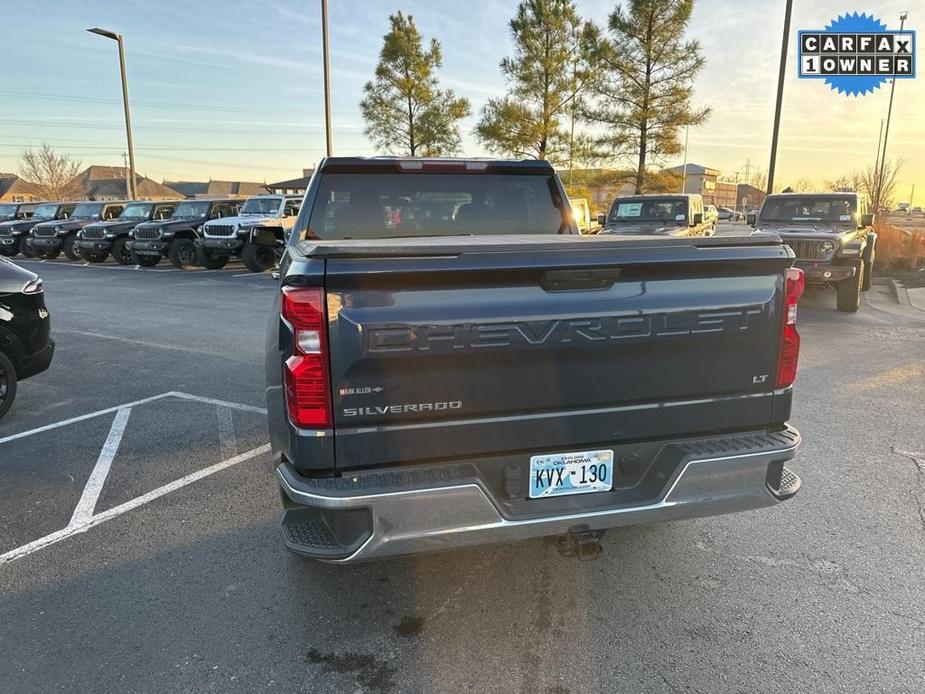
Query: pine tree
column 646, row 86
column 551, row 64
column 406, row 112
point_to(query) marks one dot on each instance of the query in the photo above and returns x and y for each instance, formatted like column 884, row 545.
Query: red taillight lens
column 794, row 283
column 308, row 392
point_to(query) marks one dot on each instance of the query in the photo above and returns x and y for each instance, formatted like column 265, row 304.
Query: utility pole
column 886, row 133
column 912, row 197
column 780, row 94
column 128, row 185
column 687, row 129
column 128, row 116
column 877, row 160
column 327, row 77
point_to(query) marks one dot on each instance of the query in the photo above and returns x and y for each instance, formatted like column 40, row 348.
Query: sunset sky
column 232, row 90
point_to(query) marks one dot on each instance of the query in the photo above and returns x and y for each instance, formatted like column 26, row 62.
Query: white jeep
column 256, row 234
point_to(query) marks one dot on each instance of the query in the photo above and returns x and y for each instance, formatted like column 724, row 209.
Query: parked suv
column 832, row 236
column 14, row 234
column 98, row 240
column 175, row 238
column 659, row 214
column 25, row 347
column 50, row 238
column 257, row 235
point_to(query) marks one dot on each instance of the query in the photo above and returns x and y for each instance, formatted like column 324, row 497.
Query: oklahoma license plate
column 560, row 474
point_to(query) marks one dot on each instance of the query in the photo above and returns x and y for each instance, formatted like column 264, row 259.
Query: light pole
column 327, row 77
column 780, row 94
column 128, row 116
column 687, row 129
column 886, row 132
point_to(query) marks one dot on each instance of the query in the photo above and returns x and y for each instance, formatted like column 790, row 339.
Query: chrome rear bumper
column 717, row 476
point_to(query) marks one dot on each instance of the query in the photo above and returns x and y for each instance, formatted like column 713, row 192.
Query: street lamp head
column 105, row 32
column 903, row 16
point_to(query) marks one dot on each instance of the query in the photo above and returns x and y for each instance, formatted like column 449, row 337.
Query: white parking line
column 100, row 413
column 64, row 533
column 94, row 486
column 142, row 343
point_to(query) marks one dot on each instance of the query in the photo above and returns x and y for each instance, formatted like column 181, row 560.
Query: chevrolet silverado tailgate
column 501, row 346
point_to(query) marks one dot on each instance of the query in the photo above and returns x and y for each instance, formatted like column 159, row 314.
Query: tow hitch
column 581, row 542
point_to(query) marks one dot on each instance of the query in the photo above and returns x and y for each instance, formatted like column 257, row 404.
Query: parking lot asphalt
column 164, row 571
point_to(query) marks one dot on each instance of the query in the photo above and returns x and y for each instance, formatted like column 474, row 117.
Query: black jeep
column 832, row 236
column 14, row 233
column 98, row 240
column 175, row 238
column 50, row 238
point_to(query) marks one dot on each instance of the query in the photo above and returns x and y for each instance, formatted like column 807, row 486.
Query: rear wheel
column 121, row 252
column 25, row 247
column 145, row 260
column 258, row 258
column 71, row 249
column 849, row 291
column 7, row 384
column 182, row 253
column 211, row 261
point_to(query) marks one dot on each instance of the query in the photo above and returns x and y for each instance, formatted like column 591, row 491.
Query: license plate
column 561, row 474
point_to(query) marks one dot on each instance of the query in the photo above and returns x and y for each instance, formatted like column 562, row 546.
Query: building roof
column 695, row 169
column 110, row 182
column 192, row 189
column 298, row 184
column 12, row 186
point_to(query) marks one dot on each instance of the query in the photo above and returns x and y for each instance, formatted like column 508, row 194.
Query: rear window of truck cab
column 390, row 205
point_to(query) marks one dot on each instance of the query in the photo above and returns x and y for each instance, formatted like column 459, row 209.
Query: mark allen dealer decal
column 856, row 53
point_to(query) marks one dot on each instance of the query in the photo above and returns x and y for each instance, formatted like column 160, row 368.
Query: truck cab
column 832, row 236
column 175, row 237
column 14, row 231
column 257, row 235
column 659, row 214
column 111, row 235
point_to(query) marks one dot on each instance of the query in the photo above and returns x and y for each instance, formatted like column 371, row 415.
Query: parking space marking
column 100, row 413
column 142, row 343
column 87, row 504
column 95, row 520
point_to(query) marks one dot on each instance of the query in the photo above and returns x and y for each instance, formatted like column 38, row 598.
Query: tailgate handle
column 572, row 280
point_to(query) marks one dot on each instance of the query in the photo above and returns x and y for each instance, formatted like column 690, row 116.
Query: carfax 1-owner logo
column 856, row 53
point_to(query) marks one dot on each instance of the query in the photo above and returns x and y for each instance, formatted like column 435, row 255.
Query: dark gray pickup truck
column 450, row 363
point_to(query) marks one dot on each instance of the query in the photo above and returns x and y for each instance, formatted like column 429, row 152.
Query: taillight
column 308, row 393
column 794, row 283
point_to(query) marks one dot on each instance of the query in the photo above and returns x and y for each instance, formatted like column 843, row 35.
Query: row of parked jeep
column 188, row 233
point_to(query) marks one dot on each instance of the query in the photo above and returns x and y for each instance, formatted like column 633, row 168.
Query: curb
column 899, row 292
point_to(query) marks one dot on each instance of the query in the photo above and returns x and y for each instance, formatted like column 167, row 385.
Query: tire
column 71, row 249
column 9, row 251
column 868, row 273
column 94, row 256
column 121, row 253
column 182, row 253
column 49, row 255
column 849, row 291
column 211, row 261
column 7, row 384
column 26, row 248
column 258, row 257
column 145, row 260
